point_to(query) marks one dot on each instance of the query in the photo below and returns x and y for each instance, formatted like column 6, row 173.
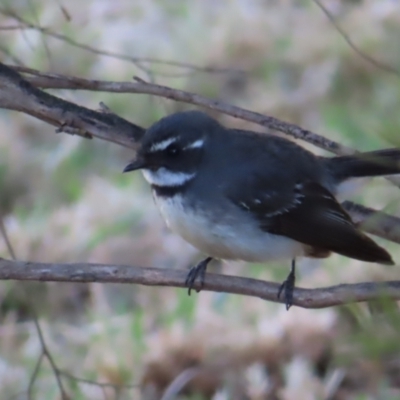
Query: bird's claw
column 287, row 287
column 197, row 271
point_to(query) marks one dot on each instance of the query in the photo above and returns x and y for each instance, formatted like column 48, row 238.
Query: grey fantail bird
column 242, row 195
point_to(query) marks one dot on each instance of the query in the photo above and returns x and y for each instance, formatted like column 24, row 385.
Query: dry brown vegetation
column 63, row 199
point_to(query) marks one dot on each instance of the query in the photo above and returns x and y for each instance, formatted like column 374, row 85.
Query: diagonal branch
column 375, row 222
column 19, row 95
column 46, row 353
column 353, row 46
column 98, row 384
column 85, row 272
column 34, row 376
column 57, row 81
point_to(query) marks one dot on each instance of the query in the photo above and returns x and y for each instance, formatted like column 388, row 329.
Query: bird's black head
column 172, row 149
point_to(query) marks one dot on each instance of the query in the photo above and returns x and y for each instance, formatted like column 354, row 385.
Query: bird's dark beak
column 139, row 163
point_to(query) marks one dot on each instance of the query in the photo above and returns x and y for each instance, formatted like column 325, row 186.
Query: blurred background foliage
column 64, row 199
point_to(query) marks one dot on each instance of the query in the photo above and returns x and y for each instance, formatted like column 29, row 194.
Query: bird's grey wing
column 308, row 213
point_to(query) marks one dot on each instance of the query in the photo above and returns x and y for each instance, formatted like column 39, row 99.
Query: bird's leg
column 197, row 271
column 288, row 286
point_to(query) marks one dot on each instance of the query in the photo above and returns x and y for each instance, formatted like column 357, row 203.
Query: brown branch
column 18, row 94
column 57, row 81
column 306, row 298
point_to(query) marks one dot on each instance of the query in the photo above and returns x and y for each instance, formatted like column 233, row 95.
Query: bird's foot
column 287, row 286
column 197, row 271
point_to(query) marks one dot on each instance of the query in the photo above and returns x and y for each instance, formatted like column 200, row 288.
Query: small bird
column 241, row 195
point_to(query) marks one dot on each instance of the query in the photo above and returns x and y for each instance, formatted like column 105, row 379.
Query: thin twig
column 46, row 353
column 34, row 375
column 43, row 38
column 12, row 27
column 86, row 272
column 353, row 46
column 138, row 61
column 99, row 384
column 8, row 53
column 6, row 238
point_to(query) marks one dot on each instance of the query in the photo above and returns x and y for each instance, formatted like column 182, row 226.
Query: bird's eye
column 173, row 150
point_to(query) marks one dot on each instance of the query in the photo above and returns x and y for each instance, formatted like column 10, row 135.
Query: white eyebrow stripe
column 166, row 178
column 163, row 144
column 195, row 145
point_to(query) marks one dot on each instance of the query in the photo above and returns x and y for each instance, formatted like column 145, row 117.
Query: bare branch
column 138, row 61
column 56, row 81
column 3, row 232
column 46, row 353
column 375, row 222
column 99, row 384
column 306, row 298
column 7, row 52
column 18, row 94
column 345, row 36
column 103, row 385
column 34, row 375
column 11, row 27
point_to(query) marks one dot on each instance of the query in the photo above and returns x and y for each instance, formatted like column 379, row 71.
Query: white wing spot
column 244, row 205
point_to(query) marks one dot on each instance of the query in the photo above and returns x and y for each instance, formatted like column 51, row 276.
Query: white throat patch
column 166, row 178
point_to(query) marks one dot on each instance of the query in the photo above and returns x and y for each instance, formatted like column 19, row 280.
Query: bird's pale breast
column 229, row 236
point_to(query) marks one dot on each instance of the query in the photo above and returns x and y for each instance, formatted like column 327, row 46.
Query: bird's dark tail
column 374, row 163
column 361, row 247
